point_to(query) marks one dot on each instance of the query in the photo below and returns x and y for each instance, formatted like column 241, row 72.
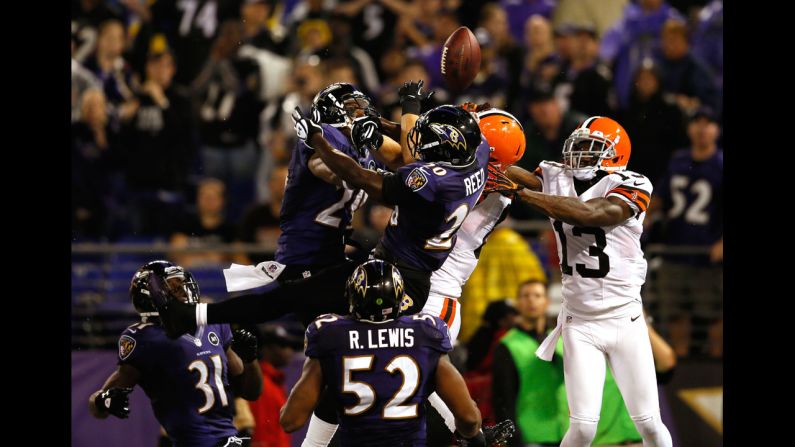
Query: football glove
column 366, row 134
column 412, row 97
column 306, row 127
column 115, row 401
column 244, row 343
column 497, row 181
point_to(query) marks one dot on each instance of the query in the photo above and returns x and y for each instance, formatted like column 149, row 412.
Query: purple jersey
column 185, row 379
column 692, row 194
column 382, row 373
column 431, row 202
column 315, row 215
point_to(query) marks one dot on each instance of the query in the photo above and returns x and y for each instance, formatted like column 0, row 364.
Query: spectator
column 340, row 70
column 689, row 201
column 255, row 16
column 278, row 342
column 392, row 62
column 91, row 147
column 227, row 89
column 261, row 222
column 159, row 149
column 108, row 65
column 207, row 226
column 430, row 53
column 191, row 29
column 508, row 53
column 526, row 389
column 82, row 81
column 415, row 26
column 588, row 79
column 342, row 48
column 374, row 23
column 655, row 125
column 547, row 129
column 539, row 45
column 683, row 75
column 518, row 11
column 87, row 15
column 489, row 84
column 708, row 39
column 635, row 37
column 602, row 14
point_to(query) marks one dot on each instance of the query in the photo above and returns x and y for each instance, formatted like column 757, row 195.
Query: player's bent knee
column 648, row 426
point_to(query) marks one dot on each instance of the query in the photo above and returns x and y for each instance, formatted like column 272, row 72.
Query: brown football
column 460, row 59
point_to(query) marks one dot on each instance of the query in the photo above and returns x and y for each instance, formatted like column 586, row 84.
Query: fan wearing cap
column 192, row 380
column 597, row 207
column 381, row 367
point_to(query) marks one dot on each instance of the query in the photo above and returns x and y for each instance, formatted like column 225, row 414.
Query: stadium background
column 180, row 139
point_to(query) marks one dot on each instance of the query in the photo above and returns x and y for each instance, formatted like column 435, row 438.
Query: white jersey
column 603, row 267
column 449, row 279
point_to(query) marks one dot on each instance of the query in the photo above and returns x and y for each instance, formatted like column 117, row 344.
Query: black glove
column 497, row 181
column 115, row 401
column 412, row 97
column 489, row 436
column 500, row 433
column 178, row 318
column 244, row 343
column 306, row 127
column 366, row 134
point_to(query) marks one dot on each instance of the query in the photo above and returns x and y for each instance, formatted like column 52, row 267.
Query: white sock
column 319, row 433
column 201, row 314
column 441, row 407
column 653, row 432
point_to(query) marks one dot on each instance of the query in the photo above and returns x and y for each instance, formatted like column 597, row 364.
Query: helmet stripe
column 588, row 122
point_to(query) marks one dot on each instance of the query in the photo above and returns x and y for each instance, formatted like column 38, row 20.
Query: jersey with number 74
column 603, row 267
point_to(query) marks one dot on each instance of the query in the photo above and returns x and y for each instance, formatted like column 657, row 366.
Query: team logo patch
column 416, row 180
column 126, row 346
column 568, row 319
column 450, row 135
column 213, row 338
column 407, row 302
column 634, row 195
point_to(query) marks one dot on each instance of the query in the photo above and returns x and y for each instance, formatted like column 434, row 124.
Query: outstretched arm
column 524, row 178
column 347, row 168
column 597, row 212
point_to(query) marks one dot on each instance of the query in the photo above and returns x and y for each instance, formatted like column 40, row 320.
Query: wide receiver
column 596, row 207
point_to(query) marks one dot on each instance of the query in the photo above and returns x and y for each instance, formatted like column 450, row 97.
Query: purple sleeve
column 132, row 349
column 418, row 178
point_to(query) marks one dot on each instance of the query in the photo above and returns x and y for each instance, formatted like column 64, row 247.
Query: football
column 460, row 59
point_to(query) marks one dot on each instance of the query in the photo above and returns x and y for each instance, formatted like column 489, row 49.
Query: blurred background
column 181, row 136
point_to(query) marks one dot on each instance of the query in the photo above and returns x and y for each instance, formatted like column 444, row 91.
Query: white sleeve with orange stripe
column 633, row 188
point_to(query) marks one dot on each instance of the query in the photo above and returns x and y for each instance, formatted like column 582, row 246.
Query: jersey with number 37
column 381, row 374
column 603, row 267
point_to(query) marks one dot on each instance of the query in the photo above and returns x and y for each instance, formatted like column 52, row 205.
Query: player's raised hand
column 115, row 401
column 244, row 343
column 306, row 127
column 412, row 96
column 366, row 133
column 497, row 181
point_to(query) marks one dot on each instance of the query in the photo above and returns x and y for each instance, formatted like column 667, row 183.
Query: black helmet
column 328, row 107
column 375, row 291
column 447, row 135
column 148, row 303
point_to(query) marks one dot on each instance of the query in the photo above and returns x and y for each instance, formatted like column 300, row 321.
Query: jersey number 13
column 596, row 251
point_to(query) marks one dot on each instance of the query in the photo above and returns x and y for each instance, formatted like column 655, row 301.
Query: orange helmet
column 599, row 143
column 504, row 134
